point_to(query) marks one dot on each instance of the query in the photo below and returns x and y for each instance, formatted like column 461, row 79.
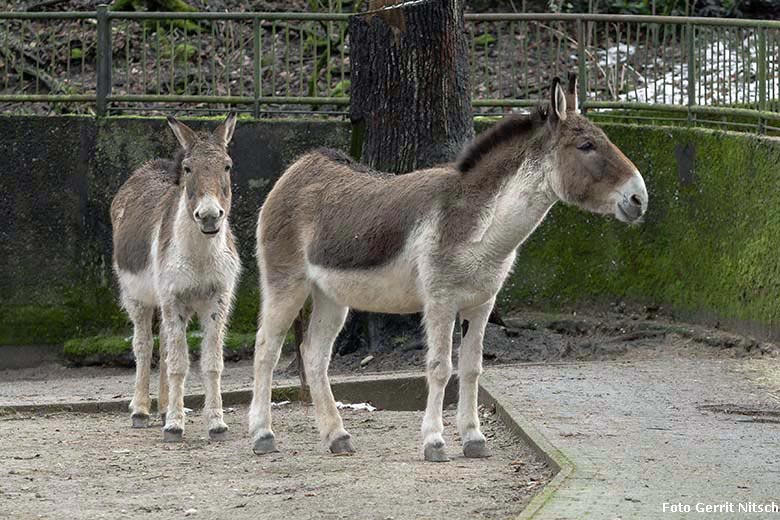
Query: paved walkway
column 643, row 434
column 640, row 434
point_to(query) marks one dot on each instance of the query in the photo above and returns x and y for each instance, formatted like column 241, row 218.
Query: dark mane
column 508, row 128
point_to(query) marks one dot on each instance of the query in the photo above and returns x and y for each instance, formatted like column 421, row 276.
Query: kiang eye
column 187, row 169
column 586, row 146
column 227, row 168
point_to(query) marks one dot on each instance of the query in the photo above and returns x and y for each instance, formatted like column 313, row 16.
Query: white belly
column 393, row 288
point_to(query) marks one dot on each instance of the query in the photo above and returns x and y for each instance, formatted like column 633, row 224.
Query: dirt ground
column 93, row 466
column 617, row 334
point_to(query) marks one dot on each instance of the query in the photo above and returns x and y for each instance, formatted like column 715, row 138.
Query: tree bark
column 410, row 108
column 410, row 85
column 304, row 394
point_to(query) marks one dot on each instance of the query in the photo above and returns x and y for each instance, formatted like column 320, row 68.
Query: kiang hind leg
column 143, row 341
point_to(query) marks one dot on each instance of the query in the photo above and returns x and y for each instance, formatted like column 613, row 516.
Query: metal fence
column 709, row 71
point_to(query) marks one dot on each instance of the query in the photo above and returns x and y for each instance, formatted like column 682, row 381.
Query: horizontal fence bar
column 63, row 15
column 699, row 109
column 470, row 17
column 504, row 102
column 173, row 15
column 231, row 100
column 47, row 98
column 160, row 15
column 613, row 18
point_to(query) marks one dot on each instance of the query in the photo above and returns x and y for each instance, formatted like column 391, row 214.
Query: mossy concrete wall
column 707, row 247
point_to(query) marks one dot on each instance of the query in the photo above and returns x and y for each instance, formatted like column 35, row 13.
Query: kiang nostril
column 197, row 215
column 636, row 200
column 221, row 213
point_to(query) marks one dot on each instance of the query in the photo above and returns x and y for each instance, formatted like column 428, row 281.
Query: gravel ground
column 93, row 466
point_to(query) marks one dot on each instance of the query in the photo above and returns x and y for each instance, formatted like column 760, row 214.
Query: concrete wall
column 708, row 248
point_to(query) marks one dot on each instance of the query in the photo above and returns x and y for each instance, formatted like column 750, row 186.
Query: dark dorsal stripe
column 340, row 157
column 508, row 128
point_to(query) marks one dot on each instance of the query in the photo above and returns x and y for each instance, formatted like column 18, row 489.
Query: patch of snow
column 726, row 71
column 611, row 55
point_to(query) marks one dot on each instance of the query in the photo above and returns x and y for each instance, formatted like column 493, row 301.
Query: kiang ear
column 572, row 104
column 183, row 133
column 557, row 102
column 224, row 132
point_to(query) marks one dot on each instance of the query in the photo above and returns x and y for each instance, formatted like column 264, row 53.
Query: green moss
column 244, row 316
column 88, row 310
column 30, row 324
column 106, row 347
column 235, row 342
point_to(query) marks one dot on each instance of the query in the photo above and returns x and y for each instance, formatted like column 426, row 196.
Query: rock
column 510, row 333
column 366, row 360
column 190, row 512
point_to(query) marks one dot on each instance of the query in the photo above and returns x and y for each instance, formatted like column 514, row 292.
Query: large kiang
column 439, row 241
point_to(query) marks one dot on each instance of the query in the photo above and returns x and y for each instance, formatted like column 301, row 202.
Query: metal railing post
column 103, row 89
column 258, row 62
column 691, row 71
column 761, row 77
column 582, row 82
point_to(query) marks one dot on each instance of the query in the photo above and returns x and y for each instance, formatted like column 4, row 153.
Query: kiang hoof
column 219, row 433
column 140, row 420
column 162, row 417
column 342, row 445
column 172, row 435
column 435, row 452
column 265, row 444
column 476, row 449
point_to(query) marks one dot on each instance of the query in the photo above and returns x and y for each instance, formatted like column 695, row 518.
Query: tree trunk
column 410, row 96
column 410, row 109
column 304, row 394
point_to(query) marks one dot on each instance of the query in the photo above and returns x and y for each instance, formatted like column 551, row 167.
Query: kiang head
column 588, row 170
column 205, row 173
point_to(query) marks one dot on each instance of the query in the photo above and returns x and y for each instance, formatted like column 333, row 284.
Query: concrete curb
column 524, row 429
column 121, row 405
column 395, row 391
